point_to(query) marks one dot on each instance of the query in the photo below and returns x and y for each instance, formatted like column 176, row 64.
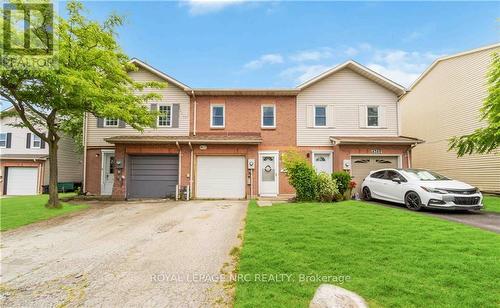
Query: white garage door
column 22, row 181
column 220, row 177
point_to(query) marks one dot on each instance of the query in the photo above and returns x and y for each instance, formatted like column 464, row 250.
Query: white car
column 419, row 188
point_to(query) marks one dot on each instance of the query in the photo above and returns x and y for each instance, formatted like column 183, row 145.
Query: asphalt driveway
column 481, row 219
column 167, row 254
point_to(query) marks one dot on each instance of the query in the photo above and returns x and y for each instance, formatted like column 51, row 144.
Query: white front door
column 322, row 161
column 108, row 172
column 268, row 174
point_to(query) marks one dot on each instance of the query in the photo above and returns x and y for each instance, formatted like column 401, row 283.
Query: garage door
column 220, row 177
column 153, row 176
column 22, row 181
column 362, row 165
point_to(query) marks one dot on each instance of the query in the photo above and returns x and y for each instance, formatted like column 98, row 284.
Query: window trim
column 223, row 116
column 326, row 119
column 378, row 116
column 158, row 117
column 33, row 136
column 104, row 122
column 5, row 146
column 262, row 116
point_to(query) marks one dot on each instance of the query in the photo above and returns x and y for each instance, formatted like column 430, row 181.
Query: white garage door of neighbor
column 22, row 181
column 220, row 177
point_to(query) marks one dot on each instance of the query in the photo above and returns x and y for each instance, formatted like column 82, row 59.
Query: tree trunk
column 53, row 196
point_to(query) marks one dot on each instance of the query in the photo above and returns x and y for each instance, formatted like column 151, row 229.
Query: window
column 320, row 116
column 391, row 174
column 372, row 113
column 3, row 140
column 217, row 116
column 165, row 115
column 36, row 142
column 378, row 175
column 268, row 116
column 110, row 122
column 425, row 175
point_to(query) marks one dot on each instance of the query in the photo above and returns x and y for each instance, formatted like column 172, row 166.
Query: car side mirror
column 397, row 180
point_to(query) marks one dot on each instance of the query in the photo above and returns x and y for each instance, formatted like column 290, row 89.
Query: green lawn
column 395, row 258
column 492, row 203
column 23, row 210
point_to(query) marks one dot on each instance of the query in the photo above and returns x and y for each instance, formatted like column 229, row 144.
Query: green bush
column 301, row 176
column 342, row 178
column 326, row 187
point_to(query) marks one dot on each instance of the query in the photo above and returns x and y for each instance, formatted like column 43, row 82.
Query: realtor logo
column 28, row 36
column 28, row 28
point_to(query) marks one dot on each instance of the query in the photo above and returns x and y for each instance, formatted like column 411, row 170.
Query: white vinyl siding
column 346, row 94
column 171, row 95
column 446, row 103
column 18, row 138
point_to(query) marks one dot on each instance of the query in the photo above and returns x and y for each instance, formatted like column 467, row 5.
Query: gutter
column 194, row 113
column 191, row 172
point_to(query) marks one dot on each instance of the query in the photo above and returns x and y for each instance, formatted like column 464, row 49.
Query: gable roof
column 360, row 69
column 496, row 45
column 159, row 74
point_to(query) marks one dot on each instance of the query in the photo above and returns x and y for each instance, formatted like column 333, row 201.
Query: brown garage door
column 362, row 165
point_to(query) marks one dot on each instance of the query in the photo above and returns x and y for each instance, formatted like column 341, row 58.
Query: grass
column 395, row 258
column 23, row 210
column 492, row 203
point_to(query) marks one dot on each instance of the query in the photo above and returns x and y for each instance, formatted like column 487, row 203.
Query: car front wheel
column 412, row 201
column 367, row 195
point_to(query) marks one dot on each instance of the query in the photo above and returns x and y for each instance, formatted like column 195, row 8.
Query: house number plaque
column 376, row 151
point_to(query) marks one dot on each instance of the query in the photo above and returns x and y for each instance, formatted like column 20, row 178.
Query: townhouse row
column 229, row 143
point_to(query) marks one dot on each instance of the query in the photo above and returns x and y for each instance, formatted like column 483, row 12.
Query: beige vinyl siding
column 446, row 103
column 69, row 163
column 171, row 94
column 346, row 91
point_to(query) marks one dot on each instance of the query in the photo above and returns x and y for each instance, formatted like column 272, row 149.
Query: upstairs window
column 372, row 116
column 319, row 116
column 36, row 142
column 268, row 116
column 217, row 116
column 3, row 140
column 110, row 122
column 165, row 116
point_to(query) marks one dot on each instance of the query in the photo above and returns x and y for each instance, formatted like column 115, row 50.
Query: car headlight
column 434, row 190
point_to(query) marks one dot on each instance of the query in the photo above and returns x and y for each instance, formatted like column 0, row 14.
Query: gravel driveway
column 166, row 254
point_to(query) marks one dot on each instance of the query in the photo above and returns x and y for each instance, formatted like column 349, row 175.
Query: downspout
column 191, row 171
column 408, row 154
column 194, row 115
column 84, row 184
column 179, row 177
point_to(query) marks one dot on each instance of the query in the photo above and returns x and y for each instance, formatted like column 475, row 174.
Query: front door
column 108, row 173
column 268, row 174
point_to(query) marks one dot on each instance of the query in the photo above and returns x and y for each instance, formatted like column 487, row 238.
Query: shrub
column 326, row 187
column 301, row 176
column 342, row 178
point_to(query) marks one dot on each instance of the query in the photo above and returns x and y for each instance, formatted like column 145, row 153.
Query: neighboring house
column 348, row 119
column 445, row 101
column 228, row 143
column 24, row 163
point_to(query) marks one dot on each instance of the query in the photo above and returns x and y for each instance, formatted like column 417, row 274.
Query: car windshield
column 426, row 175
